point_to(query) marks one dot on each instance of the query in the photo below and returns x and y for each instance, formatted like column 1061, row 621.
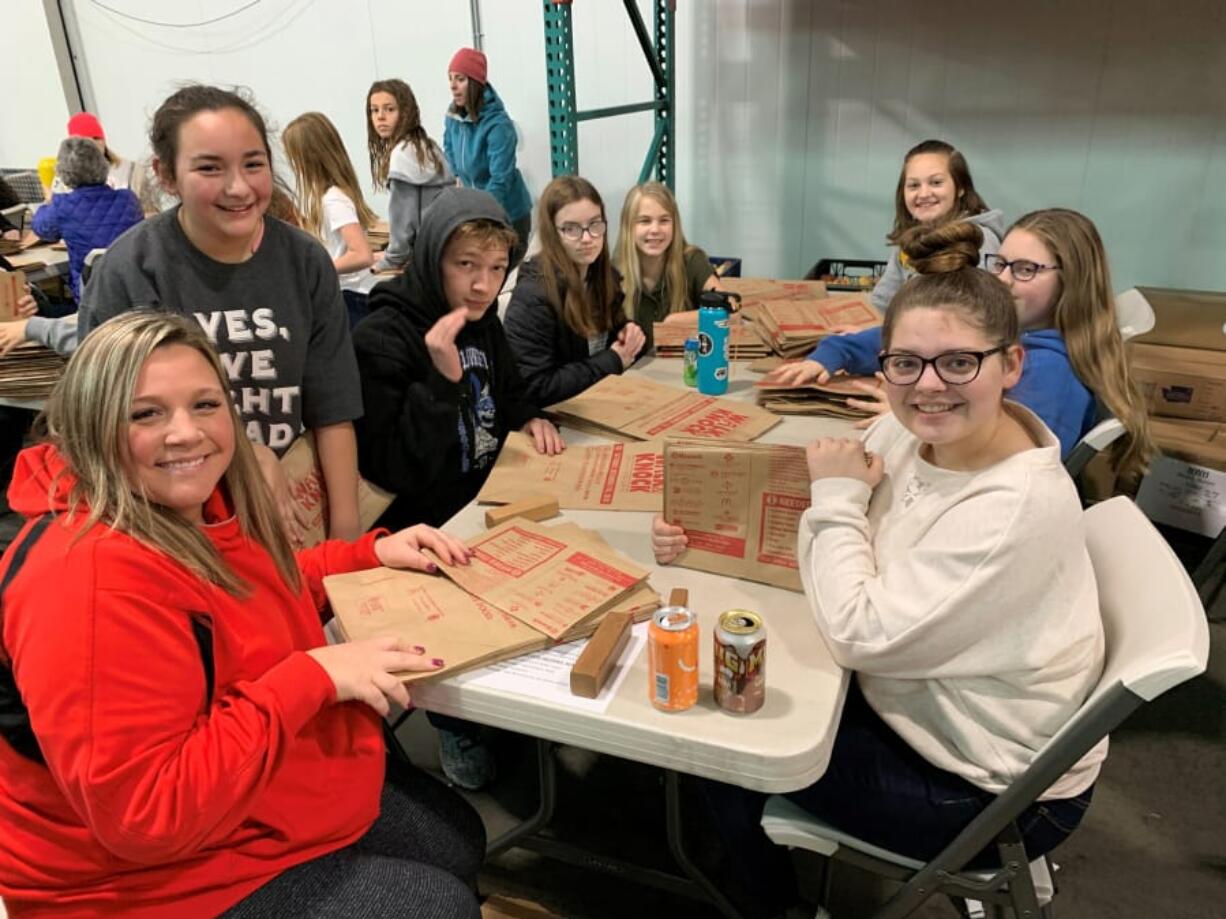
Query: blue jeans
column 357, row 305
column 878, row 789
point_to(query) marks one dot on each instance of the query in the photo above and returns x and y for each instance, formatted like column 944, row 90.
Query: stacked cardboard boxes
column 1181, row 367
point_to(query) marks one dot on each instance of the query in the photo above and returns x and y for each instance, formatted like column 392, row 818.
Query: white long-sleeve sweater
column 965, row 601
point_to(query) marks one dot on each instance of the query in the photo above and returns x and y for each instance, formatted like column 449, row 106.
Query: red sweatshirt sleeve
column 336, row 556
column 113, row 679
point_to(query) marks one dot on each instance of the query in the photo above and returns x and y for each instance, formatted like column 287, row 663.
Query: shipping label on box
column 611, row 477
column 740, row 506
column 1184, row 495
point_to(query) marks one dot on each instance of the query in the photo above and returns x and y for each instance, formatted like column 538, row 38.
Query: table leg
column 676, row 845
column 547, row 783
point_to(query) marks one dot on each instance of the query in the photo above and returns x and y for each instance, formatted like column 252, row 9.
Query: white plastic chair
column 1156, row 638
column 1133, row 314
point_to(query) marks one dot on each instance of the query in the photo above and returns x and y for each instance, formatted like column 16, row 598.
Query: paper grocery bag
column 306, row 484
column 740, row 506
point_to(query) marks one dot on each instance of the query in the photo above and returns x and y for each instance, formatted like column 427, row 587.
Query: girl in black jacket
column 565, row 321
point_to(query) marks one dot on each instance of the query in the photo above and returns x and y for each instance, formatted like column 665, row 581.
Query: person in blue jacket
column 1054, row 263
column 479, row 142
column 92, row 214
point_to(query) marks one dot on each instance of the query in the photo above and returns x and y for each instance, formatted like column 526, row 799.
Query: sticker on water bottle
column 705, row 345
column 721, row 373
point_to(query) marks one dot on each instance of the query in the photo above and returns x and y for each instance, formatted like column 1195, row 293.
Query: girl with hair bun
column 1054, row 263
column 404, row 160
column 944, row 561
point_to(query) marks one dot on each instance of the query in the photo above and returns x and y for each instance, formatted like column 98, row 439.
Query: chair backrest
column 1134, row 315
column 1092, row 443
column 1156, row 638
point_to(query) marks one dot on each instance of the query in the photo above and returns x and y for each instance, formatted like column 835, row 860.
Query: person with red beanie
column 479, row 141
column 123, row 173
column 177, row 737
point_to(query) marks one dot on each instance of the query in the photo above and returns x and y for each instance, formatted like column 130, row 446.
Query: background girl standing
column 404, row 160
column 479, row 140
column 264, row 292
column 662, row 275
column 565, row 321
column 333, row 209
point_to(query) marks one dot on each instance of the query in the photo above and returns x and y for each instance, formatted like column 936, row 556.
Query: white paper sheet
column 546, row 674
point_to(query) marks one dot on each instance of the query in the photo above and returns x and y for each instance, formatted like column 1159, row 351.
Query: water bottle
column 689, row 368
column 713, row 309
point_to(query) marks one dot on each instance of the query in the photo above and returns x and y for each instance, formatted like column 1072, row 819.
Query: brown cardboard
column 794, row 327
column 1181, row 382
column 828, row 399
column 1186, row 318
column 306, row 485
column 1199, row 442
column 740, row 507
column 500, row 907
column 612, row 477
column 534, row 507
column 545, row 576
column 12, row 289
column 640, row 408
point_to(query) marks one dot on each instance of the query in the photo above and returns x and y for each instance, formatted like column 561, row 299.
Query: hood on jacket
column 1045, row 340
column 993, row 220
column 41, row 481
column 418, row 293
column 491, row 104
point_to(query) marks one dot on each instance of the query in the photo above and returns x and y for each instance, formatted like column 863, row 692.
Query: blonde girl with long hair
column 333, row 209
column 405, row 161
column 566, row 321
column 662, row 275
column 178, row 759
column 1054, row 262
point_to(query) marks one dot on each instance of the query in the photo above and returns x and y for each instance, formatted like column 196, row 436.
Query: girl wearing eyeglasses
column 1054, row 263
column 565, row 321
column 944, row 561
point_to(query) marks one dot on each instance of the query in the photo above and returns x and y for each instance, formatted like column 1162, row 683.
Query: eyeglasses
column 1023, row 268
column 574, row 231
column 956, row 368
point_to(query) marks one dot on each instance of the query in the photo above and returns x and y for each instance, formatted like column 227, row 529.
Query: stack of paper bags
column 827, row 399
column 527, row 586
column 740, row 506
column 632, row 407
column 609, row 477
column 744, row 341
column 29, row 372
column 378, row 235
column 793, row 316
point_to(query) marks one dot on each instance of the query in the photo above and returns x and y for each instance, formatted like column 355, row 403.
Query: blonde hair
column 408, row 128
column 87, row 418
column 588, row 305
column 317, row 155
column 1084, row 314
column 626, row 256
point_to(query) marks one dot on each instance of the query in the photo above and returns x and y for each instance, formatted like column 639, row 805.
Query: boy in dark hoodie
column 439, row 383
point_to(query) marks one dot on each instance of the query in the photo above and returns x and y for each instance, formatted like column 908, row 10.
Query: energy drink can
column 740, row 661
column 689, row 368
column 672, row 653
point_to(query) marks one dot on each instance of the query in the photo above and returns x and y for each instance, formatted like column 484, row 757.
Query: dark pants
column 357, row 305
column 880, row 790
column 420, row 858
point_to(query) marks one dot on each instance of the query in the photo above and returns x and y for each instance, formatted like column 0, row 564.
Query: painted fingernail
column 438, row 662
column 432, row 568
column 419, row 649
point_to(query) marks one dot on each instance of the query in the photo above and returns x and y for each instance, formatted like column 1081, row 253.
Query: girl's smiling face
column 955, row 418
column 928, row 188
column 653, row 228
column 223, row 176
column 1035, row 298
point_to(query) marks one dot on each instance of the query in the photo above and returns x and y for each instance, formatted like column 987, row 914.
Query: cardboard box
column 12, row 289
column 1186, row 318
column 1181, row 382
column 500, row 907
column 1186, row 486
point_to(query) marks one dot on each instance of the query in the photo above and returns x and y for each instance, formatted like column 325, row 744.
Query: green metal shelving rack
column 564, row 116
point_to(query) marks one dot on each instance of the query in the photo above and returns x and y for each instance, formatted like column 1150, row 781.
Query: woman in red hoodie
column 176, row 736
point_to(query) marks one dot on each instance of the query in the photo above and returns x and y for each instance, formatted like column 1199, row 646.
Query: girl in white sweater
column 944, row 560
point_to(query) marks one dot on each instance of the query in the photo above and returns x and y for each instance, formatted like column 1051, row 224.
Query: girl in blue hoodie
column 1054, row 262
column 479, row 142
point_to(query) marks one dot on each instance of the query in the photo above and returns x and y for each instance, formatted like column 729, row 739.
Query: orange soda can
column 672, row 655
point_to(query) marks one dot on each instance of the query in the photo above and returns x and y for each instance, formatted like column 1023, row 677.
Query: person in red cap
column 123, row 173
column 479, row 141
